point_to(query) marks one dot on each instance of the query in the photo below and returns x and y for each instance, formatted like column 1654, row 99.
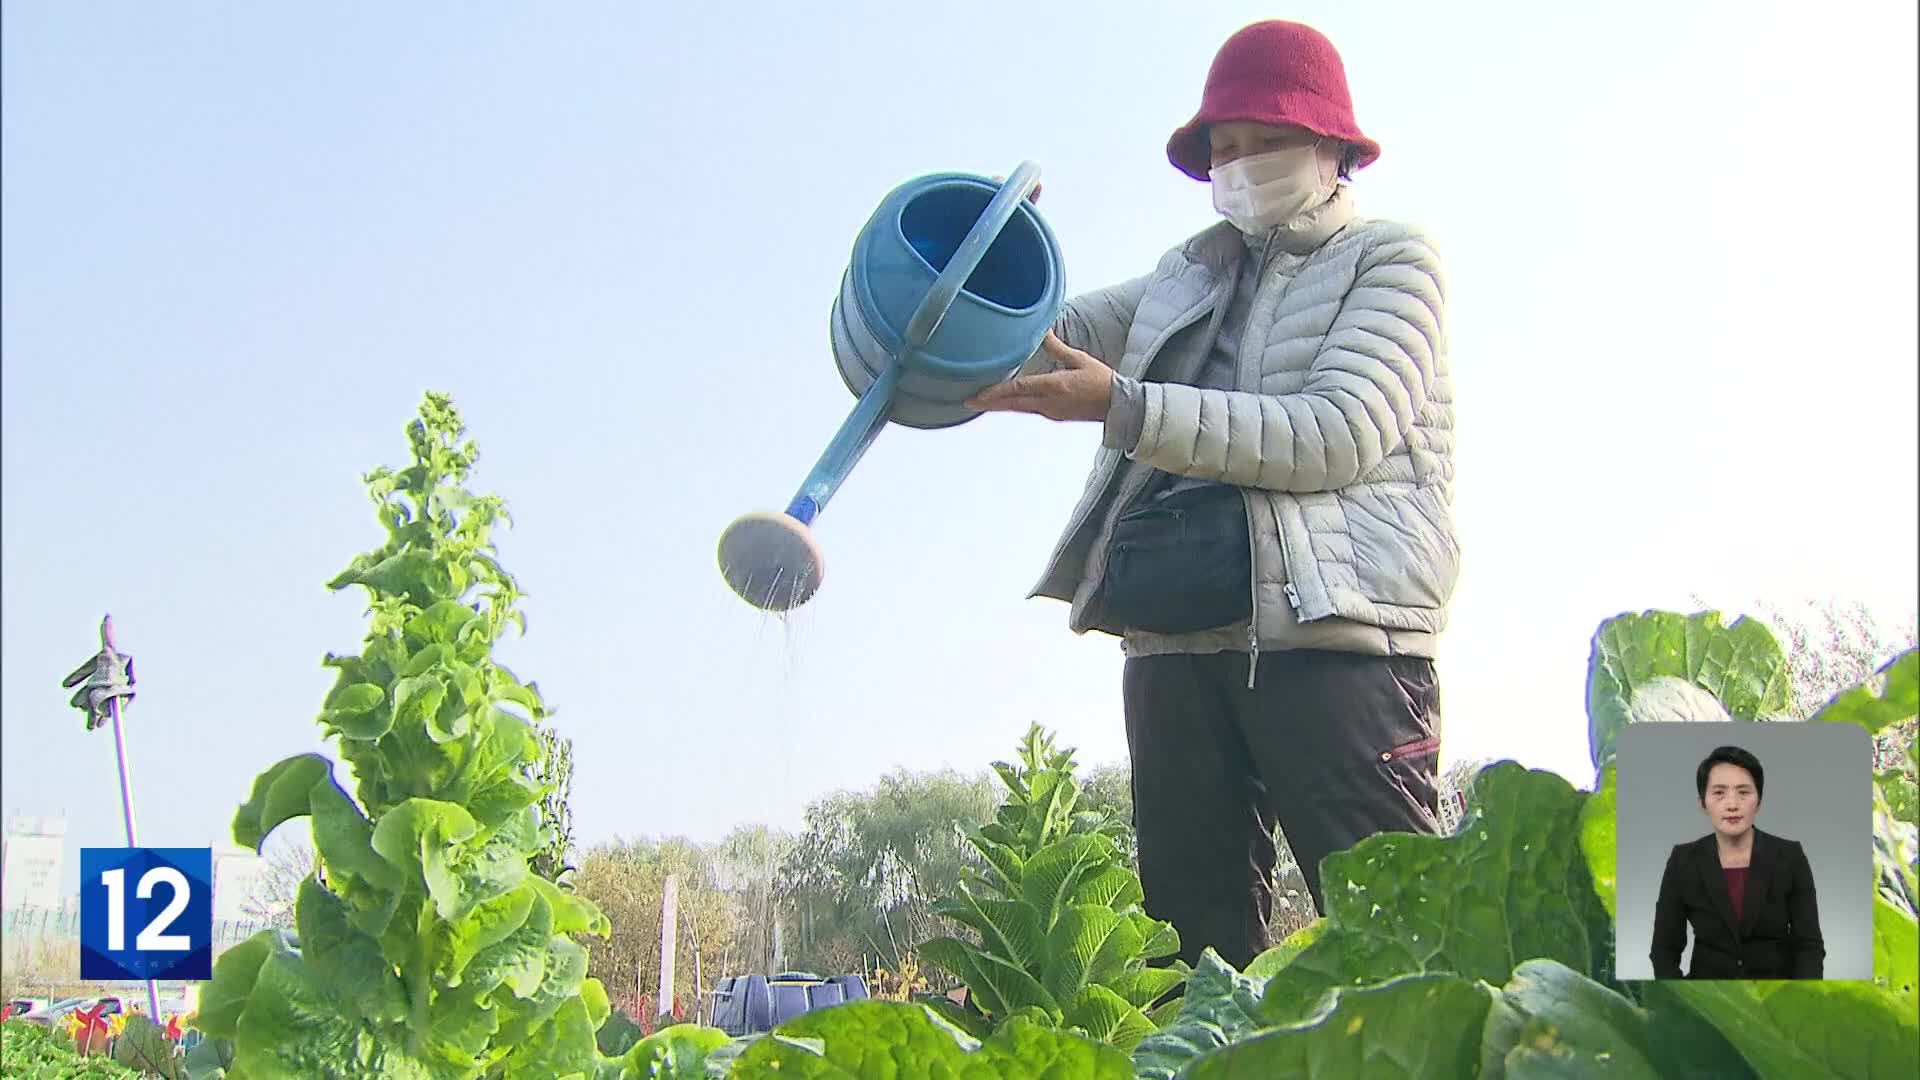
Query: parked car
column 56, row 1011
column 755, row 1004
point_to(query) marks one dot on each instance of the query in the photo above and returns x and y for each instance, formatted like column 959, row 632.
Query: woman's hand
column 1079, row 388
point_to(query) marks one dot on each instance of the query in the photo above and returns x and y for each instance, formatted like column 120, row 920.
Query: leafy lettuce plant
column 553, row 860
column 424, row 948
column 1063, row 937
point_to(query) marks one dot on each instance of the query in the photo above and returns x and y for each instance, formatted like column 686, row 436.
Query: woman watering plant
column 1268, row 524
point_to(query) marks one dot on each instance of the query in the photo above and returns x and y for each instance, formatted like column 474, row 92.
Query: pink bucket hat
column 1278, row 73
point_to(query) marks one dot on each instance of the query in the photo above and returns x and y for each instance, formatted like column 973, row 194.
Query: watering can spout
column 772, row 560
column 953, row 283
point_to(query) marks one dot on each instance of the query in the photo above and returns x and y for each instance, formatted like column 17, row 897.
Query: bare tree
column 286, row 862
column 1834, row 647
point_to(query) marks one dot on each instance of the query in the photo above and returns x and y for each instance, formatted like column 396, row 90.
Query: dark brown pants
column 1335, row 747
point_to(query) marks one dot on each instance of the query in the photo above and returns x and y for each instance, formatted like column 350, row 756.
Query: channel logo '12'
column 146, row 913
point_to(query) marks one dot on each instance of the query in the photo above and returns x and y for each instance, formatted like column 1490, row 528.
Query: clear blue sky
column 240, row 240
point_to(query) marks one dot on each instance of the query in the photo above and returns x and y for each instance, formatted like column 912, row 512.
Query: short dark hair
column 1349, row 160
column 1731, row 755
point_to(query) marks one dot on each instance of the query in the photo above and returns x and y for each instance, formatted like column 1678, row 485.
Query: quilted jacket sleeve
column 1367, row 385
column 1096, row 323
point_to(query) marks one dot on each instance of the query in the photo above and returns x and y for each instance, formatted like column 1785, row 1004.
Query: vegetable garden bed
column 431, row 953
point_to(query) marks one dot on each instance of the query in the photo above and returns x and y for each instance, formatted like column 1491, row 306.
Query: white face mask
column 1261, row 191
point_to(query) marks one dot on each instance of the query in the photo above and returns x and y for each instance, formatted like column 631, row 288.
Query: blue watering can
column 953, row 283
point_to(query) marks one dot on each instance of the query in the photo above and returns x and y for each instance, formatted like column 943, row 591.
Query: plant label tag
column 146, row 913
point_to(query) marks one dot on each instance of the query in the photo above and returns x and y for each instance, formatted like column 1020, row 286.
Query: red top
column 1736, row 887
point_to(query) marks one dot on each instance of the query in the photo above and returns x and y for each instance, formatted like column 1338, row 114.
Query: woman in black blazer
column 1747, row 895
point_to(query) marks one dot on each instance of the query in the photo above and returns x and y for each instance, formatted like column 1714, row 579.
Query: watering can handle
column 946, row 288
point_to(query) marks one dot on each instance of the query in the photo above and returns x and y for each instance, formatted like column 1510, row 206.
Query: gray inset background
column 1819, row 792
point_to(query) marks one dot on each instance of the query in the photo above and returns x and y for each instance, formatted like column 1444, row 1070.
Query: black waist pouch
column 1180, row 564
